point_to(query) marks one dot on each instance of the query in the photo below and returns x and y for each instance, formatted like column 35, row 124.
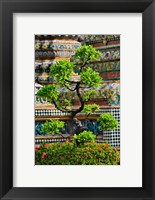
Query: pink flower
column 46, row 145
column 37, row 147
column 43, row 155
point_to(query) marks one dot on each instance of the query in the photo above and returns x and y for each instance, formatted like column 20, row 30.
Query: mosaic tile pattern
column 105, row 66
column 101, row 38
column 47, row 46
column 64, row 46
column 48, row 49
column 110, row 54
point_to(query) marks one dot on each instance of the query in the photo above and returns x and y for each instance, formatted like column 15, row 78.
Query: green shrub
column 90, row 108
column 107, row 122
column 52, row 126
column 85, row 136
column 89, row 94
column 91, row 78
column 86, row 53
column 62, row 71
column 68, row 154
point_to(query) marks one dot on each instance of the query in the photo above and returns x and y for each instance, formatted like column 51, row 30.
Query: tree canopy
column 74, row 76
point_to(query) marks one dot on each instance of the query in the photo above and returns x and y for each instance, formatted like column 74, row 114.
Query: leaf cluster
column 91, row 78
column 86, row 53
column 49, row 92
column 52, row 126
column 107, row 122
column 62, row 71
column 87, row 95
column 85, row 136
column 90, row 108
column 65, row 102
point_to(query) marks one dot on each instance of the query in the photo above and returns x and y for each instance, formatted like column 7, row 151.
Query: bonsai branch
column 61, row 108
column 70, row 88
column 84, row 64
column 81, row 101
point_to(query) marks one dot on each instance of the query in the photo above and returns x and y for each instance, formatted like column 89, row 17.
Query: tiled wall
column 49, row 49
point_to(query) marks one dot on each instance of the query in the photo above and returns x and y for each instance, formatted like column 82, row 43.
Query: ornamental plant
column 89, row 109
column 52, row 126
column 78, row 78
column 83, row 137
column 75, row 76
column 107, row 122
column 69, row 154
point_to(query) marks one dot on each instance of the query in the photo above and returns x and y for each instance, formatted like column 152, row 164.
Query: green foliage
column 52, row 126
column 85, row 136
column 91, row 78
column 87, row 95
column 65, row 102
column 49, row 92
column 107, row 122
column 90, row 108
column 68, row 154
column 86, row 53
column 62, row 71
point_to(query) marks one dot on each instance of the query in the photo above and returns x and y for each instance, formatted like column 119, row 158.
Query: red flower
column 106, row 146
column 46, row 145
column 37, row 147
column 43, row 155
column 99, row 149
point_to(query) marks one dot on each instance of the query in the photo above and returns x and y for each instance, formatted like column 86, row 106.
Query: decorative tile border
column 117, row 46
column 111, row 53
column 91, row 39
column 53, row 36
column 47, row 46
column 51, row 54
column 105, row 66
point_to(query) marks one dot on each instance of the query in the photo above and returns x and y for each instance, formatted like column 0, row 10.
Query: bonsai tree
column 78, row 78
column 107, row 122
